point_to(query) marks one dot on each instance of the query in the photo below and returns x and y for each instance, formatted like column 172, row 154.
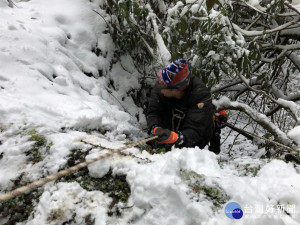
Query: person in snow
column 180, row 110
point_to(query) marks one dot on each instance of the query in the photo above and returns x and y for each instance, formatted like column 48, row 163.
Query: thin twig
column 103, row 19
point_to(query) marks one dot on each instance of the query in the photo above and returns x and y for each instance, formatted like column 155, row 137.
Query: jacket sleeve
column 155, row 109
column 198, row 125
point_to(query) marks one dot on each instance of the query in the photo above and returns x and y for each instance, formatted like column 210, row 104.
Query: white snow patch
column 68, row 201
column 295, row 135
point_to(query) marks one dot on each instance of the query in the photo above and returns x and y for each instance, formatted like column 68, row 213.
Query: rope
column 41, row 182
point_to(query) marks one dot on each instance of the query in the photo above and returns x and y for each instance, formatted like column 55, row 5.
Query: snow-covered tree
column 245, row 50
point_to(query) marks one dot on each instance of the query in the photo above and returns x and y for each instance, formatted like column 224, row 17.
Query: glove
column 222, row 118
column 220, row 123
column 165, row 136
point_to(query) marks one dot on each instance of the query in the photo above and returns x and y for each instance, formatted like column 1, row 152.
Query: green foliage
column 161, row 151
column 48, row 147
column 115, row 185
column 2, row 128
column 19, row 208
column 186, row 32
column 39, row 142
column 268, row 135
column 251, row 170
column 212, row 193
column 274, row 7
column 210, row 40
column 143, row 147
column 129, row 29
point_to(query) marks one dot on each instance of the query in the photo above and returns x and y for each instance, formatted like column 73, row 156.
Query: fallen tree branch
column 243, row 132
column 261, row 119
column 240, row 131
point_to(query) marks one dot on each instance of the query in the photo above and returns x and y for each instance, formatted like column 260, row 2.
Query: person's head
column 174, row 79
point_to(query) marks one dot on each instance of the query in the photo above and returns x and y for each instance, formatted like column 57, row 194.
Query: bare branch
column 245, row 4
column 217, row 89
column 288, row 47
column 260, row 33
column 291, row 7
column 254, row 22
column 109, row 27
column 271, row 60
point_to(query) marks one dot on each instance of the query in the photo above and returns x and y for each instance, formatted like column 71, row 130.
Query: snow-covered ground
column 54, row 85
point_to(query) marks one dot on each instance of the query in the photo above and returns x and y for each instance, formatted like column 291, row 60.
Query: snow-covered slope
column 46, row 47
column 56, row 66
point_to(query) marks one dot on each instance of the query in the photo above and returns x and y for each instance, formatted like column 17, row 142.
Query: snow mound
column 188, row 185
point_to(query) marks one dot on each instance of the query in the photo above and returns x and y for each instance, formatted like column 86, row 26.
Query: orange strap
column 155, row 128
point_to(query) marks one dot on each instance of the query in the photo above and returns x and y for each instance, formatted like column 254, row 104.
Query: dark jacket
column 197, row 125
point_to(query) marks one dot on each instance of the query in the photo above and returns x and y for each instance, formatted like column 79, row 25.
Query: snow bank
column 51, row 82
column 45, row 52
column 169, row 189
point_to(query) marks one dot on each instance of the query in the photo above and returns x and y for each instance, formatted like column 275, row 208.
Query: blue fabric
column 165, row 77
column 174, row 68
